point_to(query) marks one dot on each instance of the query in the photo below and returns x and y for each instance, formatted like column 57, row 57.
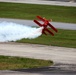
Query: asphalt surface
column 57, row 54
column 38, row 71
column 64, row 58
column 59, row 25
column 45, row 2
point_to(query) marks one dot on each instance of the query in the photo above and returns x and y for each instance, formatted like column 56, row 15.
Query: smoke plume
column 10, row 31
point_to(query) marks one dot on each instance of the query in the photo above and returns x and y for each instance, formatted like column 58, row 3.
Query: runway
column 57, row 54
column 60, row 25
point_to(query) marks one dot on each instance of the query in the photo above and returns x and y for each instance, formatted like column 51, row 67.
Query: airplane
column 45, row 25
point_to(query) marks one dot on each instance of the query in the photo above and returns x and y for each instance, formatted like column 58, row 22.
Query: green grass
column 64, row 38
column 30, row 11
column 9, row 62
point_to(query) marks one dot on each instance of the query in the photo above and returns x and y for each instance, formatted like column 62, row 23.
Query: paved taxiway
column 57, row 54
column 59, row 25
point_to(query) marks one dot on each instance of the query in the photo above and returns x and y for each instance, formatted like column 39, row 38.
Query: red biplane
column 45, row 24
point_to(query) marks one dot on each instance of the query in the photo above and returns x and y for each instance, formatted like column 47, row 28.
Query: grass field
column 8, row 62
column 30, row 11
column 64, row 38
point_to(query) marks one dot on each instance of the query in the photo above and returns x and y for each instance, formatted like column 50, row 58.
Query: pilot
column 46, row 22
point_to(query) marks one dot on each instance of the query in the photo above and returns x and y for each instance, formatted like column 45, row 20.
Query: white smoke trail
column 10, row 31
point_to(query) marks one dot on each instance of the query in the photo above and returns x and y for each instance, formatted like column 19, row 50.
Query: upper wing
column 42, row 19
